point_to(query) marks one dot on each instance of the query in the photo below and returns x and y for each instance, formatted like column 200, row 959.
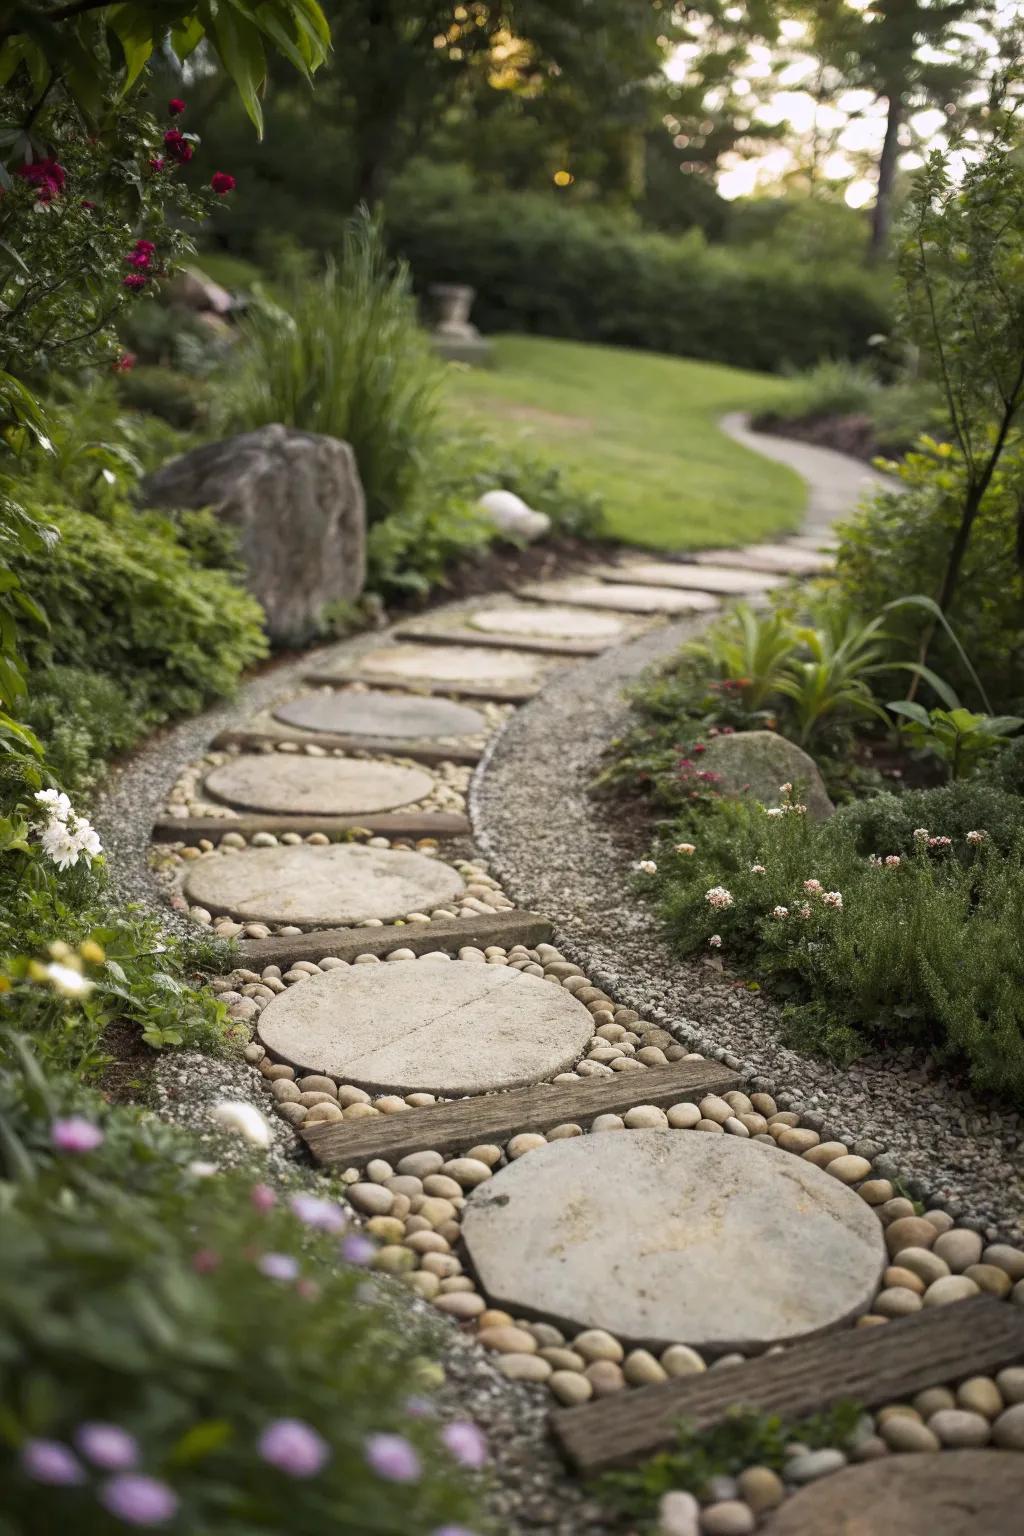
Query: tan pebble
column 570, row 1388
column 393, row 1260
column 1010, row 1382
column 316, row 1083
column 797, row 1139
column 949, row 1289
column 561, row 1359
column 495, row 1318
column 920, row 1261
column 940, row 1220
column 728, row 1517
column 870, row 1320
column 980, row 1394
column 1008, row 1429
column 897, row 1411
column 508, row 1340
column 825, row 1152
column 319, row 1112
column 348, row 1094
column 681, row 1360
column 645, row 1116
column 848, row 1169
column 626, row 1064
column 424, row 1284
column 546, row 1334
column 714, row 1108
column 275, row 1070
column 463, row 1304
column 906, row 1279
column 651, row 1056
column 910, row 1232
column 734, row 1127
column 390, row 1104
column 902, row 1433
column 295, row 1114
column 361, row 1112
column 404, row 1184
column 764, row 1139
column 756, row 1124
column 710, row 1125
column 1004, row 1257
column 957, row 1427
column 452, row 1283
column 683, row 1116
column 441, row 1184
column 420, row 1100
column 896, row 1208
column 443, row 1265
column 875, row 1191
column 565, row 1132
column 402, row 1205
column 596, row 1344
column 784, row 1117
column 990, row 1278
column 764, row 1104
column 309, row 1100
column 467, row 1171
column 387, row 1228
column 898, row 1301
column 761, row 1488
column 738, row 1102
column 1017, row 1294
column 932, row 1399
column 641, row 1369
column 527, row 1141
column 606, row 1377
column 960, row 1248
column 451, row 1230
column 871, row 1448
column 433, row 1209
column 419, row 1164
column 416, row 1224
column 425, row 1241
column 371, row 1199
column 285, row 1091
column 524, row 1367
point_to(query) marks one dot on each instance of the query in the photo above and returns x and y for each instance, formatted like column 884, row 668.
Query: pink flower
column 718, row 896
column 804, row 911
column 393, row 1458
column 977, row 837
column 175, row 107
column 138, row 1500
column 48, row 1461
column 757, row 869
column 833, row 899
column 107, row 1446
column 75, row 1134
column 47, row 176
column 465, row 1443
column 813, row 886
column 278, row 1266
column 321, row 1215
column 134, row 280
column 293, row 1447
column 715, row 941
column 222, row 183
column 145, row 246
column 893, row 861
column 177, row 146
column 262, row 1197
column 125, row 363
column 940, row 842
column 453, row 1530
column 205, row 1261
column 157, row 163
column 357, row 1249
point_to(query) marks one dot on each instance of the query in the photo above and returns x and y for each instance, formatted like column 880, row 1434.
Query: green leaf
column 240, row 48
column 918, row 600
column 912, row 711
column 203, row 1439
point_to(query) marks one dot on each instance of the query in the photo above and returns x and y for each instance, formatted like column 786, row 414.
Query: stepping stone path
column 324, row 786
column 381, row 715
column 321, row 887
column 450, row 1029
column 962, row 1493
column 583, row 1222
column 718, row 1243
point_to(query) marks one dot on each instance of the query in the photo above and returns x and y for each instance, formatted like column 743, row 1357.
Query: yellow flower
column 5, row 983
column 91, row 952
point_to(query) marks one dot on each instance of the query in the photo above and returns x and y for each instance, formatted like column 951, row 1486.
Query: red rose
column 157, row 163
column 134, row 280
column 222, row 183
column 178, row 147
column 125, row 363
column 175, row 107
column 145, row 246
column 47, row 176
column 138, row 259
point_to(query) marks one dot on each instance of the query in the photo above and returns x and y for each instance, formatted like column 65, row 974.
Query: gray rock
column 380, row 714
column 317, row 786
column 757, row 762
column 296, row 502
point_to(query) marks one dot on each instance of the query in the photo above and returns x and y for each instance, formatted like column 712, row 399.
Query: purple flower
column 263, row 1197
column 392, row 1458
column 48, row 1461
column 322, row 1215
column 465, row 1443
column 357, row 1249
column 75, row 1134
column 419, row 1407
column 279, row 1266
column 139, row 1500
column 107, row 1446
column 453, row 1530
column 293, row 1447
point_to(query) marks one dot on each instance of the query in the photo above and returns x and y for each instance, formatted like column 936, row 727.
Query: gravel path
column 835, row 483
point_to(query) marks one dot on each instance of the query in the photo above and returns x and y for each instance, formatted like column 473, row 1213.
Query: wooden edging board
column 870, row 1366
column 391, row 746
column 545, row 647
column 189, row 829
column 431, row 687
column 479, row 930
column 494, row 1117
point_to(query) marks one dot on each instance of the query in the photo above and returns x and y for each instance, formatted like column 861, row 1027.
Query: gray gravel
column 557, row 850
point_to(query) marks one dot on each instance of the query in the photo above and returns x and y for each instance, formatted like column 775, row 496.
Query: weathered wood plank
column 546, row 647
column 390, row 824
column 497, row 1116
column 505, row 928
column 871, row 1366
column 498, row 695
column 392, row 746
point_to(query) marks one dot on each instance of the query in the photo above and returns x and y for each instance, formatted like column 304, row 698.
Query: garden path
column 511, row 1133
column 835, row 482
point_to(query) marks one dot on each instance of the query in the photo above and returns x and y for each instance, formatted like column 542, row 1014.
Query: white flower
column 67, row 981
column 244, row 1119
column 757, row 869
column 833, row 899
column 893, row 860
column 718, row 896
column 200, row 1170
column 87, row 838
column 59, row 844
column 646, row 867
column 686, row 848
column 776, row 810
column 57, row 804
column 715, row 941
column 920, row 834
column 780, row 912
column 66, row 837
column 814, row 886
column 803, row 911
column 977, row 837
column 785, row 789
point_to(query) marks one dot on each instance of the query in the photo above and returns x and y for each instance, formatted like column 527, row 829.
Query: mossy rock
column 756, row 763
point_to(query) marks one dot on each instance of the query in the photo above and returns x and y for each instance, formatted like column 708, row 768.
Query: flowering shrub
column 160, row 1371
column 921, row 942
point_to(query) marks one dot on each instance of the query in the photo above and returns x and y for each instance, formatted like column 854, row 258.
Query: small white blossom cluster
column 977, row 837
column 715, row 941
column 646, row 867
column 891, row 861
column 686, row 849
column 718, row 896
column 757, row 869
column 789, row 806
column 827, row 898
column 66, row 837
column 780, row 913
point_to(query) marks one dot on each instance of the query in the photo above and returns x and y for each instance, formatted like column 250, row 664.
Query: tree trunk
column 881, row 219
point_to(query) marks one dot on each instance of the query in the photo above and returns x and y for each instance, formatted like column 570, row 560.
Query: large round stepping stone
column 550, row 623
column 449, row 1029
column 451, row 664
column 957, row 1493
column 696, row 578
column 395, row 715
column 323, row 887
column 666, row 1236
column 316, row 786
column 623, row 598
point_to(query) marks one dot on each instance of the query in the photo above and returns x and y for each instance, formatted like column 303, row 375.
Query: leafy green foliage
column 886, row 823
column 136, row 1292
column 958, row 737
column 743, row 1439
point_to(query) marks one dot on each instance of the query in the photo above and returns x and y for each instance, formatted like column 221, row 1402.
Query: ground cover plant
column 642, row 431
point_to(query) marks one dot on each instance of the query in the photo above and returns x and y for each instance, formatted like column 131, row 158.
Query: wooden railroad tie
column 450, row 934
column 190, row 829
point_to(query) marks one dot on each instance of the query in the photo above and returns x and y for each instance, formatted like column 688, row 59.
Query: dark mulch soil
column 126, row 1076
column 853, row 435
column 503, row 567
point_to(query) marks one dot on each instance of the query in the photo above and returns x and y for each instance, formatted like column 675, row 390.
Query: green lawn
column 642, row 430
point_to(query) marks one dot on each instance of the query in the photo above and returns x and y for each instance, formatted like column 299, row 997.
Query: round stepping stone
column 452, row 1029
column 960, row 1493
column 662, row 1237
column 316, row 786
column 698, row 578
column 450, row 664
column 324, row 887
column 554, row 623
column 623, row 597
column 381, row 714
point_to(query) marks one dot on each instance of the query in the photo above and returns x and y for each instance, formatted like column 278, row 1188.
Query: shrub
column 542, row 268
column 886, row 823
column 175, row 397
column 191, row 1315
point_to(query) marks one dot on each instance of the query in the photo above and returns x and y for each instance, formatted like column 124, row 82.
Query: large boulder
column 756, row 763
column 296, row 501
